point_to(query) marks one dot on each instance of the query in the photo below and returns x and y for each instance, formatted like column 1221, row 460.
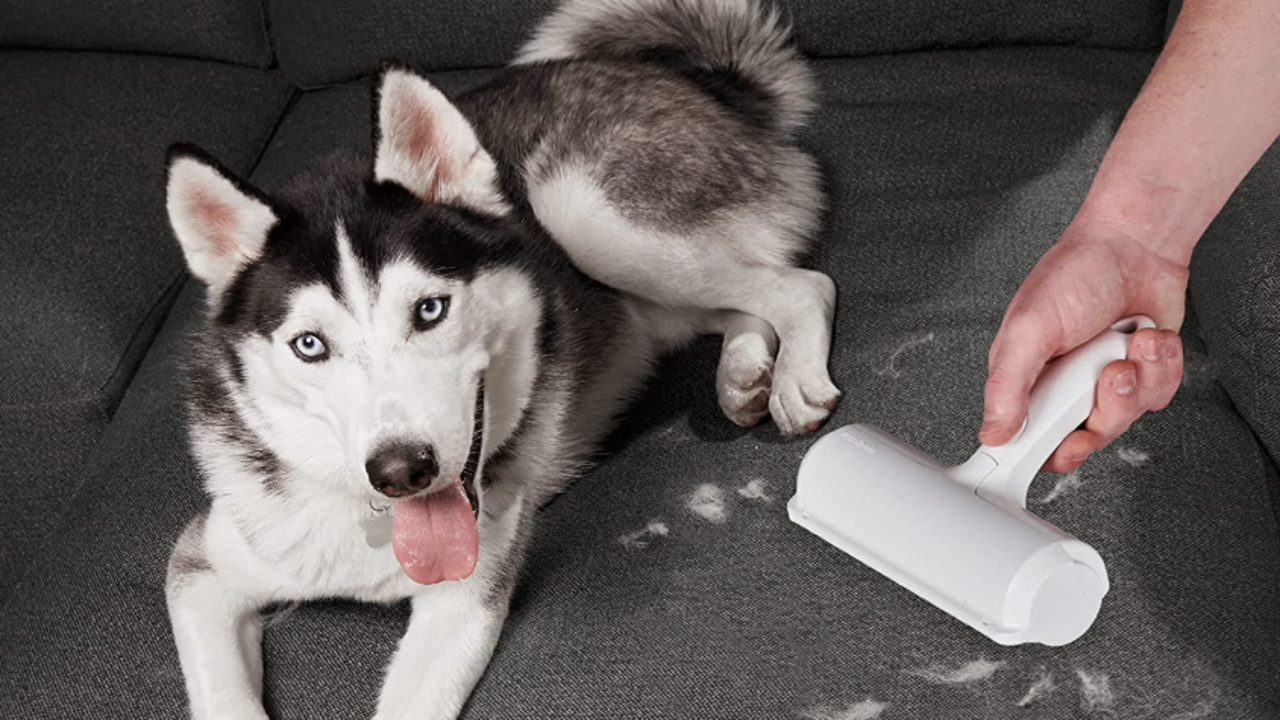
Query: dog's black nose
column 401, row 469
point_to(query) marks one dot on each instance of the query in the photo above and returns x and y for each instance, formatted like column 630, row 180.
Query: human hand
column 1094, row 275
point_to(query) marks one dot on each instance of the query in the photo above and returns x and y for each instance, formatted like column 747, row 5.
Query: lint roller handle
column 1061, row 400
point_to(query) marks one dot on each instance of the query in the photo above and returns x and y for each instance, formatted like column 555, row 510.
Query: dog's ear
column 426, row 145
column 220, row 221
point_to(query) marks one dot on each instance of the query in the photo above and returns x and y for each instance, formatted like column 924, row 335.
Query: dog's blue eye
column 430, row 311
column 310, row 347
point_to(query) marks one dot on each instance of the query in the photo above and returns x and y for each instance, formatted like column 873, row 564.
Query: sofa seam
column 295, row 94
column 172, row 289
column 1255, row 314
column 273, row 60
column 168, row 297
column 1255, row 317
column 139, row 53
column 346, row 79
column 101, row 396
column 100, row 403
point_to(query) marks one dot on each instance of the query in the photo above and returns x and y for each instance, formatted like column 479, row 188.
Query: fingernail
column 1150, row 349
column 1080, row 458
column 1124, row 383
column 990, row 424
column 1170, row 348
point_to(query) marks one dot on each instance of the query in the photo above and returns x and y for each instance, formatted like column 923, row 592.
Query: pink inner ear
column 418, row 140
column 416, row 134
column 215, row 216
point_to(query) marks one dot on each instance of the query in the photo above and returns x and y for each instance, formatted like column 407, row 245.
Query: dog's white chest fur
column 307, row 548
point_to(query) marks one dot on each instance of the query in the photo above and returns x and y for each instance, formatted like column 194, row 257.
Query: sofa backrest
column 232, row 31
column 320, row 42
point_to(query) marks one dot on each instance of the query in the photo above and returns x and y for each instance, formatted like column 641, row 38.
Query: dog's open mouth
column 435, row 537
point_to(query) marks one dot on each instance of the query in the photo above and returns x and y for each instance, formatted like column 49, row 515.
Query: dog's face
column 361, row 311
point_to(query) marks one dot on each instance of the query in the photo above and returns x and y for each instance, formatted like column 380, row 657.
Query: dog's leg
column 218, row 632
column 800, row 306
column 745, row 374
column 735, row 266
column 452, row 633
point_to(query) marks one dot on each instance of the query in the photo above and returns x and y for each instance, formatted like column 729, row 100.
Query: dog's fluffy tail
column 736, row 49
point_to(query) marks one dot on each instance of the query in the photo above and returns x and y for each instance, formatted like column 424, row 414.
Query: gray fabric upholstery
column 447, row 34
column 1235, row 281
column 949, row 173
column 834, row 28
column 91, row 264
column 229, row 30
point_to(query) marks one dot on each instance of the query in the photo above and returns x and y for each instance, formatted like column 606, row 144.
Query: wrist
column 1164, row 218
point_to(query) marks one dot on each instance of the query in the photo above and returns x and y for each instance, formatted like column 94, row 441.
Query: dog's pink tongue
column 435, row 537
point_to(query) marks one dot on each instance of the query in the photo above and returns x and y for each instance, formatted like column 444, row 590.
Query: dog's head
column 360, row 310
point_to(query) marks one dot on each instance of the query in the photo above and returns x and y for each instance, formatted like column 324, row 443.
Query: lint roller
column 961, row 537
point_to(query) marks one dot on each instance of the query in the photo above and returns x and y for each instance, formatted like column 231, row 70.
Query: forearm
column 1208, row 111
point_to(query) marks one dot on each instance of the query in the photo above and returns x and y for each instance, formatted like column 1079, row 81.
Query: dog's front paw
column 743, row 380
column 802, row 398
column 420, row 710
column 243, row 711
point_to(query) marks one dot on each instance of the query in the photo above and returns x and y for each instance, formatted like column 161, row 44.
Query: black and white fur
column 631, row 181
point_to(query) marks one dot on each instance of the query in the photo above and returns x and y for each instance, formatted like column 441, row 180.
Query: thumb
column 1018, row 354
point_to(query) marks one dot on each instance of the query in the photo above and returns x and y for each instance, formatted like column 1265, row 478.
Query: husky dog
column 404, row 356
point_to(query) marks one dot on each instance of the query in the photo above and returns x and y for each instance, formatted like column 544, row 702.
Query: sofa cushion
column 949, row 174
column 1235, row 280
column 230, row 30
column 91, row 265
column 320, row 42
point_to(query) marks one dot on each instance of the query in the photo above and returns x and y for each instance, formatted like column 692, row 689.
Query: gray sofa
column 957, row 139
